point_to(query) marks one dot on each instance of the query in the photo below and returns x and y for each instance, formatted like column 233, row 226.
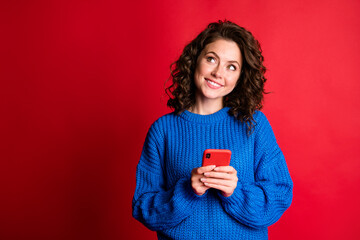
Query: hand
column 196, row 174
column 223, row 178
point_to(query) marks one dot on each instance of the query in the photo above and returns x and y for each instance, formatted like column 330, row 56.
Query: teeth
column 214, row 84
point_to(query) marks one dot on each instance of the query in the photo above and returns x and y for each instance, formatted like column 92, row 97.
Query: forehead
column 226, row 49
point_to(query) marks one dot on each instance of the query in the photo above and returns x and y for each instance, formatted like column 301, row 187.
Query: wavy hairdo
column 249, row 92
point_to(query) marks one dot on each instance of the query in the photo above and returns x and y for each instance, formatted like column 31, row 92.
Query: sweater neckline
column 210, row 118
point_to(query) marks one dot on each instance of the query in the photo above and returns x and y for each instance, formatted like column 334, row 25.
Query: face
column 218, row 69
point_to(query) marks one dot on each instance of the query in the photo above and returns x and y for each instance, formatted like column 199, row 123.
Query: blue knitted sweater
column 165, row 202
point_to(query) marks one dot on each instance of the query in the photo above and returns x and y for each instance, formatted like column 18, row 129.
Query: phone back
column 218, row 157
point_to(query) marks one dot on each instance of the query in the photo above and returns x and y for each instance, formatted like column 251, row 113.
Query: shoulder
column 263, row 130
column 259, row 116
column 260, row 119
column 164, row 120
column 160, row 125
column 261, row 123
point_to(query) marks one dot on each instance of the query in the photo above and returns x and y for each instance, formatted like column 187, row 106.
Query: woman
column 217, row 92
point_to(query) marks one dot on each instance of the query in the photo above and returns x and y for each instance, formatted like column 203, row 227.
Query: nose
column 217, row 71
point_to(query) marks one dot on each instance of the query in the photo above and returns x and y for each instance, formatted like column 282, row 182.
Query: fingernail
column 206, row 174
column 216, row 168
column 202, row 179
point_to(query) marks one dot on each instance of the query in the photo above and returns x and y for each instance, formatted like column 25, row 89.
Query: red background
column 81, row 82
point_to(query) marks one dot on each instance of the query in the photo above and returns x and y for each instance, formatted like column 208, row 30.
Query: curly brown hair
column 249, row 92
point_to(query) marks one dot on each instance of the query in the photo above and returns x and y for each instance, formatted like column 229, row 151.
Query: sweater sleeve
column 261, row 203
column 154, row 205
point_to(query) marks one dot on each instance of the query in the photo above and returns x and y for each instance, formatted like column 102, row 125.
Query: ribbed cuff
column 184, row 197
column 236, row 197
column 187, row 192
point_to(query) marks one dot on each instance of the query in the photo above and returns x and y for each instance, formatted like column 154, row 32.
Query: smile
column 212, row 84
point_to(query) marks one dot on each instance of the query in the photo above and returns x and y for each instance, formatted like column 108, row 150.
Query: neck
column 206, row 106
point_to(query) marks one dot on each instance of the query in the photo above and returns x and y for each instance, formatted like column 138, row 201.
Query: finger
column 200, row 190
column 228, row 169
column 198, row 184
column 220, row 182
column 204, row 169
column 219, row 187
column 222, row 175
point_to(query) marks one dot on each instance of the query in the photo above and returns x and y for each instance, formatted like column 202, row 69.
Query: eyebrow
column 232, row 61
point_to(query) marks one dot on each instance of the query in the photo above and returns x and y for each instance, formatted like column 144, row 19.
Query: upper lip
column 214, row 81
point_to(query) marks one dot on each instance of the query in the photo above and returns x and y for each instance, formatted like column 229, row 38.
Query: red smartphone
column 217, row 157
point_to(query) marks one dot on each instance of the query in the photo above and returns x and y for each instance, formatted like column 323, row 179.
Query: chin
column 212, row 96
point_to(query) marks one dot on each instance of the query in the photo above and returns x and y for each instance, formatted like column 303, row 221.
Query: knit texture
column 165, row 202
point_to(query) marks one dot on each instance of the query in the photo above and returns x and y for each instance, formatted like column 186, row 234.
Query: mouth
column 213, row 84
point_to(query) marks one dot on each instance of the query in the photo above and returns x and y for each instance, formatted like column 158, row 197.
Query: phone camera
column 208, row 155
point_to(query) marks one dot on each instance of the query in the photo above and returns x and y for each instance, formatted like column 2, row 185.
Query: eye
column 210, row 59
column 232, row 67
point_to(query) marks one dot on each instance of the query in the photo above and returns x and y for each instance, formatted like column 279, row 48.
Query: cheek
column 233, row 81
column 202, row 68
column 196, row 75
column 200, row 72
column 197, row 79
